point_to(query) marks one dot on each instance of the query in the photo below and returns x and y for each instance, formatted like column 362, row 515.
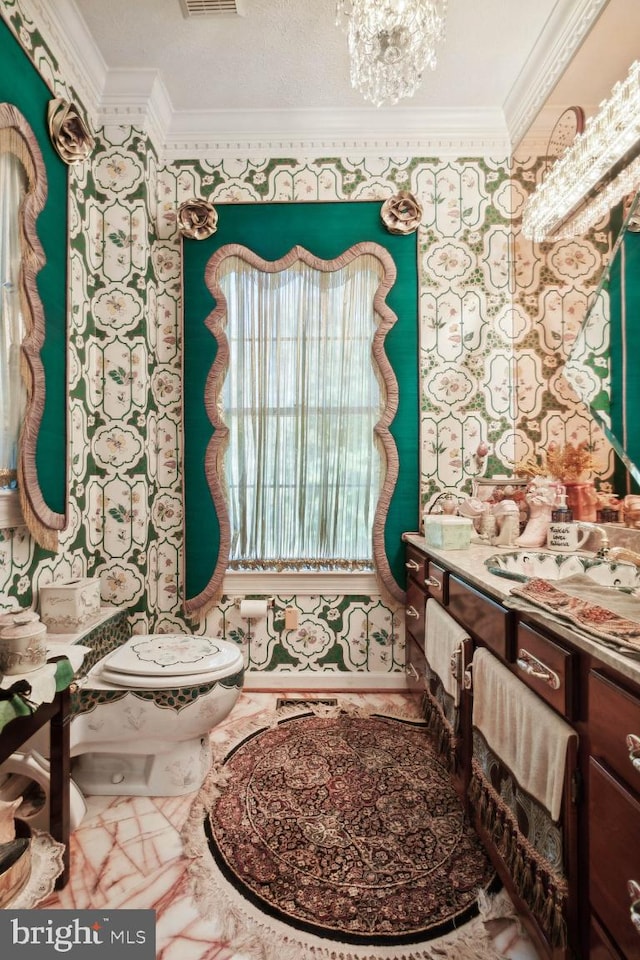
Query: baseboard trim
column 276, row 681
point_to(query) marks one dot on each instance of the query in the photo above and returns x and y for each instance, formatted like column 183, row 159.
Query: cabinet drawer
column 436, row 582
column 414, row 612
column 614, row 857
column 484, row 619
column 614, row 728
column 546, row 667
column 415, row 563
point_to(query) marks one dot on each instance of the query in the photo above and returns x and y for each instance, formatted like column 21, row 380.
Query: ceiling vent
column 212, row 8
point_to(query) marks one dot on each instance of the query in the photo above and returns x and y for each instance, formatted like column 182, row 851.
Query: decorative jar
column 582, row 499
column 23, row 645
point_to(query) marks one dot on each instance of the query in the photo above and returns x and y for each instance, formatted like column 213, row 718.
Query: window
column 300, row 400
column 301, row 465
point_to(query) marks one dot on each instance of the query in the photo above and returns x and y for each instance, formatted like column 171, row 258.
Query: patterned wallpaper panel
column 497, row 320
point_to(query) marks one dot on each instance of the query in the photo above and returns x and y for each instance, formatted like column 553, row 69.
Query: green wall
column 271, row 230
column 624, row 290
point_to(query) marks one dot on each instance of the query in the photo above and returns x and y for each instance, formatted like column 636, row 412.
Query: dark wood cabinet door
column 614, row 857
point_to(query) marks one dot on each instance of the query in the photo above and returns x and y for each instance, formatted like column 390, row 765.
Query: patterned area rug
column 339, row 835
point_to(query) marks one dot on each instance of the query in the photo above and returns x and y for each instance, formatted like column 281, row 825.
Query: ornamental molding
column 565, row 31
column 139, row 98
column 67, row 36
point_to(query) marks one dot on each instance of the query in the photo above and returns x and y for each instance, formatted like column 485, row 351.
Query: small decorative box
column 446, row 532
column 65, row 607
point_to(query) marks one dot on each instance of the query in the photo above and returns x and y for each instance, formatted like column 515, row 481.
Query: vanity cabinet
column 601, row 801
column 487, row 622
column 547, row 667
column 448, row 720
column 416, row 566
column 614, row 813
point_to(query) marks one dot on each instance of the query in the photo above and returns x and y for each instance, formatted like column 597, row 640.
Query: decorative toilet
column 142, row 714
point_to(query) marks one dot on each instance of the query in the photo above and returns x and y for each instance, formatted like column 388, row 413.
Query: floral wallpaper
column 498, row 318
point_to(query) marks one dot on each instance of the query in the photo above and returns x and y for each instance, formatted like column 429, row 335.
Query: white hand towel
column 527, row 735
column 442, row 643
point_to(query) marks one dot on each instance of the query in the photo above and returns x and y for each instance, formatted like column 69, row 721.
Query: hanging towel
column 442, row 645
column 526, row 734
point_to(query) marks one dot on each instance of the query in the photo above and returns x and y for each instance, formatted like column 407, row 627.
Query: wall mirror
column 23, row 192
column 597, row 368
column 610, row 323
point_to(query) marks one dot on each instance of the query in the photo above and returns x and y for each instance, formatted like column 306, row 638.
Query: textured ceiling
column 289, row 53
column 288, row 56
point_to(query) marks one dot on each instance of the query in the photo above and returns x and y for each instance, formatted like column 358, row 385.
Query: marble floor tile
column 127, row 851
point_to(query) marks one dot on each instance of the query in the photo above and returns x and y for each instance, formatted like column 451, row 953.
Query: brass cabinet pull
column 412, row 612
column 412, row 671
column 412, row 565
column 634, row 909
column 537, row 669
column 455, row 665
column 633, row 746
column 432, row 582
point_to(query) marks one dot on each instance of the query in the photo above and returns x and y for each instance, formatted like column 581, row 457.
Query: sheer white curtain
column 13, row 186
column 301, row 399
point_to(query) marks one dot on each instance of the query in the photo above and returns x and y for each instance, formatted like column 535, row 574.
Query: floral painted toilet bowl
column 141, row 716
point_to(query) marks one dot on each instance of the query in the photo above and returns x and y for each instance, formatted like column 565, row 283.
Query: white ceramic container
column 23, row 646
column 65, row 607
column 446, row 532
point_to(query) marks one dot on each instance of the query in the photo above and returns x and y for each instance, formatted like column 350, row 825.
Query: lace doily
column 46, row 867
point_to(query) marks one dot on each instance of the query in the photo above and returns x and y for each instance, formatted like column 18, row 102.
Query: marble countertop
column 469, row 564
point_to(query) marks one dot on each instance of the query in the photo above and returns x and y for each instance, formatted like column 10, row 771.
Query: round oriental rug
column 344, row 828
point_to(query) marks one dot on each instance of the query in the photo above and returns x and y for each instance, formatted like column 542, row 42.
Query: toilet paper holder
column 253, row 609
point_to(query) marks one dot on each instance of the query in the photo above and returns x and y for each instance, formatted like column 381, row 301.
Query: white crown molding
column 564, row 32
column 398, row 132
column 65, row 32
column 137, row 97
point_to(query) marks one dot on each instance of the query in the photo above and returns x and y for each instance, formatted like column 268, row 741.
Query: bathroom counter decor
column 17, row 697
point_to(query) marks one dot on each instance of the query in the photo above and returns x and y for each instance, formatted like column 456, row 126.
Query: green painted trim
column 624, row 274
column 271, row 230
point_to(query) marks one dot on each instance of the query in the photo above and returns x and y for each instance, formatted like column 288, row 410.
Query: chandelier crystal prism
column 391, row 43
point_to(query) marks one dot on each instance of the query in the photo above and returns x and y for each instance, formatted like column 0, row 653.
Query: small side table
column 18, row 731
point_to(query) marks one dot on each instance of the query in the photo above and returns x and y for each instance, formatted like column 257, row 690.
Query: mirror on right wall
column 610, row 331
column 589, row 190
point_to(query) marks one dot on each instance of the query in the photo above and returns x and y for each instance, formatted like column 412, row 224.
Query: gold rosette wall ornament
column 401, row 214
column 197, row 219
column 68, row 132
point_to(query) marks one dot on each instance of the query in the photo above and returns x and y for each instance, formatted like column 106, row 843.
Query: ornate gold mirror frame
column 18, row 139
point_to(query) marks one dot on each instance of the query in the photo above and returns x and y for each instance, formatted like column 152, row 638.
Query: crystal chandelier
column 601, row 166
column 391, row 42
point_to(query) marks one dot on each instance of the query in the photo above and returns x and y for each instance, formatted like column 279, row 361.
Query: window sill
column 10, row 510
column 238, row 583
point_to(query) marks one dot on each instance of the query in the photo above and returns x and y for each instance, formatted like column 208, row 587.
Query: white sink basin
column 524, row 564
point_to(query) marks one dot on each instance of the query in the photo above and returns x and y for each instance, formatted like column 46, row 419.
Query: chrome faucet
column 604, row 539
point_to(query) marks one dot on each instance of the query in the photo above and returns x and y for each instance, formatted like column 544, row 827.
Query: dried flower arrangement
column 567, row 463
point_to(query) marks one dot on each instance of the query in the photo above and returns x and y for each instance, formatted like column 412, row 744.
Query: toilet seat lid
column 168, row 656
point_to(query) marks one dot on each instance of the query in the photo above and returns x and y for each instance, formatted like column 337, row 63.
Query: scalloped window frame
column 198, row 606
